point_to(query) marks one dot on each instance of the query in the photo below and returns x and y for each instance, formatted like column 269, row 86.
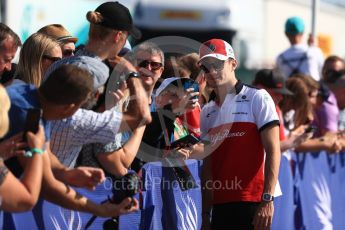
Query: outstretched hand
column 85, row 177
column 128, row 205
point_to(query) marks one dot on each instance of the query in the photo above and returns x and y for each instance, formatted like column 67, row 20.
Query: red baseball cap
column 216, row 48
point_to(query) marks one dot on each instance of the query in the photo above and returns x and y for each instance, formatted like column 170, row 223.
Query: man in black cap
column 116, row 16
column 273, row 82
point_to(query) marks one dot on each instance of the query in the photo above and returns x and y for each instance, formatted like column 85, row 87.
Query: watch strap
column 133, row 75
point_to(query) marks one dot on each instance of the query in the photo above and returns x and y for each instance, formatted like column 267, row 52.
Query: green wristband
column 37, row 150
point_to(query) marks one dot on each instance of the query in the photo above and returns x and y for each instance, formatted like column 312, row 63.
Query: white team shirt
column 311, row 66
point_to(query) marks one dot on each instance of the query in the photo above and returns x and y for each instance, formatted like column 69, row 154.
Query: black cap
column 116, row 16
column 271, row 79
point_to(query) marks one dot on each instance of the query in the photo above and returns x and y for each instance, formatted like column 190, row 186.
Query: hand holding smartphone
column 311, row 129
column 183, row 142
column 191, row 84
column 32, row 121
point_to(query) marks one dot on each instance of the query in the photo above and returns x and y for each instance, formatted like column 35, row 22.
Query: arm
column 270, row 140
column 63, row 195
column 296, row 138
column 83, row 177
column 117, row 162
column 138, row 111
column 325, row 143
column 19, row 196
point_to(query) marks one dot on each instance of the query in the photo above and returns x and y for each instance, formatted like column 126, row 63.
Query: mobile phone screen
column 32, row 121
column 191, row 84
column 184, row 141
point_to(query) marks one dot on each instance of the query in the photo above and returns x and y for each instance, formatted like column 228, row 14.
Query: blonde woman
column 38, row 53
column 18, row 195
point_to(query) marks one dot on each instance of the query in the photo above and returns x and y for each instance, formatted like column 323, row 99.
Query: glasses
column 333, row 75
column 154, row 65
column 50, row 58
column 218, row 65
column 68, row 53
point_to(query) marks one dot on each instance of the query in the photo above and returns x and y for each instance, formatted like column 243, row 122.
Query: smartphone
column 190, row 139
column 311, row 129
column 191, row 84
column 32, row 121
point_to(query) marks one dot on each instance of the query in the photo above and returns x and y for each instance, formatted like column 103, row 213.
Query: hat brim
column 69, row 39
column 217, row 56
column 135, row 32
column 283, row 91
column 176, row 81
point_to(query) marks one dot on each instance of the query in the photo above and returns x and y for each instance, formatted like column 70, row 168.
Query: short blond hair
column 4, row 107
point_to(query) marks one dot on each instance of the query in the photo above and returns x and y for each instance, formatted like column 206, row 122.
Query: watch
column 267, row 197
column 133, row 75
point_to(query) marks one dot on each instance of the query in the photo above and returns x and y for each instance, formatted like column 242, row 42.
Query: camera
column 127, row 186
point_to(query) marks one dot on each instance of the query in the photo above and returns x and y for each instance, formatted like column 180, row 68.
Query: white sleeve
column 264, row 110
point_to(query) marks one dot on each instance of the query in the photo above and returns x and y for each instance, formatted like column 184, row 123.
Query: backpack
column 296, row 69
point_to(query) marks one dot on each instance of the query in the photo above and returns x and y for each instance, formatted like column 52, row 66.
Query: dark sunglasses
column 50, row 58
column 217, row 66
column 333, row 75
column 154, row 65
column 68, row 53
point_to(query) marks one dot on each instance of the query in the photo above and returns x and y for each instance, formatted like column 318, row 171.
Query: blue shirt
column 23, row 97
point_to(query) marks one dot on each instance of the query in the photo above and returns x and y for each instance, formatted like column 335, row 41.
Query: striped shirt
column 84, row 127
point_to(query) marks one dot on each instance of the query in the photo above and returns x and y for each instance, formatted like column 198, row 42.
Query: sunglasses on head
column 68, row 53
column 154, row 65
column 217, row 65
column 50, row 58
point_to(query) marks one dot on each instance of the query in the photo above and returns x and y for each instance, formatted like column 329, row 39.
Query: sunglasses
column 333, row 75
column 50, row 58
column 68, row 53
column 217, row 66
column 154, row 65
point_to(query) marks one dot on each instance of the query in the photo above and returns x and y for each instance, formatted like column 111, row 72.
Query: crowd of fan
column 81, row 139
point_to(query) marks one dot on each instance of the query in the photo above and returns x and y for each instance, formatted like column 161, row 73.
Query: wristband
column 37, row 150
column 34, row 150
